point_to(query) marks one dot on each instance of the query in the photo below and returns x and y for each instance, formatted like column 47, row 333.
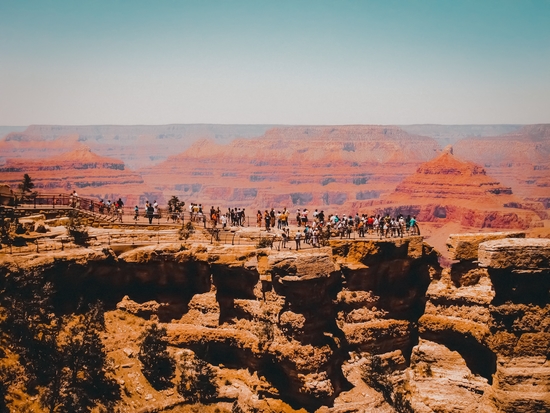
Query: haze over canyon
column 493, row 176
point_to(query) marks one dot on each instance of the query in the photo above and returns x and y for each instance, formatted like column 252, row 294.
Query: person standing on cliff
column 297, row 238
column 150, row 213
column 284, row 238
column 267, row 220
column 414, row 226
column 259, row 218
column 272, row 217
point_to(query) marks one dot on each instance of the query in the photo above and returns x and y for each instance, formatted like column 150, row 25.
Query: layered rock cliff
column 519, row 159
column 138, row 145
column 81, row 170
column 491, row 308
column 313, row 166
column 358, row 326
column 447, row 188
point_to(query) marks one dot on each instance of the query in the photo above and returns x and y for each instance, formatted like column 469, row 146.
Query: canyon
column 449, row 189
column 81, row 170
column 357, row 326
column 341, row 169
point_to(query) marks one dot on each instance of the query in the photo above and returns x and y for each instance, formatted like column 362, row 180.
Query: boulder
column 465, row 246
column 57, row 221
column 529, row 254
column 144, row 310
column 32, row 218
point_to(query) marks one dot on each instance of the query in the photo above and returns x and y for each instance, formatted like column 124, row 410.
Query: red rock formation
column 138, row 146
column 318, row 165
column 81, row 170
column 449, row 189
column 520, row 159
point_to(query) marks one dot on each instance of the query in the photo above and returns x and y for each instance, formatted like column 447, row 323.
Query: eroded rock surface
column 357, row 326
column 494, row 314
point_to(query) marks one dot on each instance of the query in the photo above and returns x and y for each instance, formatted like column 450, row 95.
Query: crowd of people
column 312, row 228
column 321, row 227
column 113, row 209
column 384, row 226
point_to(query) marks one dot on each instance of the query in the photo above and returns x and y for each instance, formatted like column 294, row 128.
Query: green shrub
column 187, row 230
column 158, row 366
column 265, row 242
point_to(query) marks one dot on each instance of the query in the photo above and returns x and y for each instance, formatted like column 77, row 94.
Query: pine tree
column 63, row 356
column 26, row 186
column 158, row 365
column 30, row 324
column 175, row 204
column 80, row 381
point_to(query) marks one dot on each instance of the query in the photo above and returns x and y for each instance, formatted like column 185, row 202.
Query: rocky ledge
column 357, row 326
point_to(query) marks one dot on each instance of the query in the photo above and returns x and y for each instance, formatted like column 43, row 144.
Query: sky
column 274, row 62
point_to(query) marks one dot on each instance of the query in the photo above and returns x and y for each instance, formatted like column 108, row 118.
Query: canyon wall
column 372, row 325
column 447, row 188
column 138, row 145
column 308, row 166
column 90, row 175
column 520, row 159
column 341, row 169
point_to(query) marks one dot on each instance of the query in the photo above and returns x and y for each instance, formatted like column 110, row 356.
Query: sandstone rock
column 309, row 329
column 449, row 189
column 480, row 292
column 57, row 221
column 531, row 254
column 518, row 159
column 465, row 246
column 378, row 336
column 32, row 218
column 521, row 384
column 129, row 352
column 271, row 169
column 440, row 381
column 144, row 310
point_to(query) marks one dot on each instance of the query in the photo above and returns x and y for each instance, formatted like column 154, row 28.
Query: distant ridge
column 450, row 134
column 4, row 130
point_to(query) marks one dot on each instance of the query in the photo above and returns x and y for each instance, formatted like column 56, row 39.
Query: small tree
column 26, row 186
column 197, row 382
column 158, row 365
column 81, row 380
column 175, row 204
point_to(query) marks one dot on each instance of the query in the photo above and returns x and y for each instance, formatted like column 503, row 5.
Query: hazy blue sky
column 285, row 62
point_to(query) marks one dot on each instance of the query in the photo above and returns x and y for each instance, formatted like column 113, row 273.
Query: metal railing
column 213, row 229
